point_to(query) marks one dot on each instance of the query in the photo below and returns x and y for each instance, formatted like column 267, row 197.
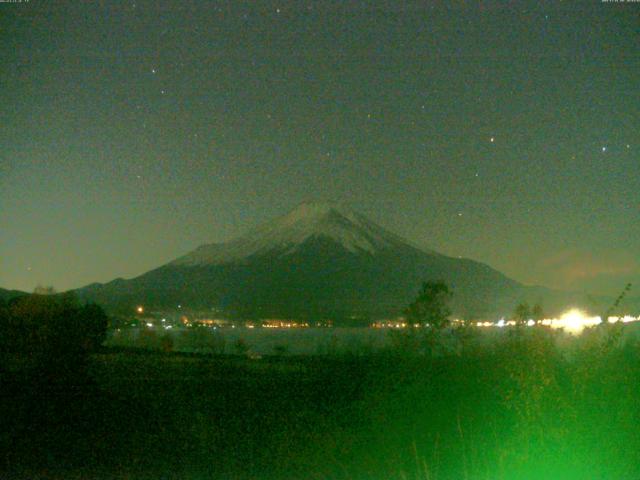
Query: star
column 153, row 70
column 604, row 149
column 492, row 139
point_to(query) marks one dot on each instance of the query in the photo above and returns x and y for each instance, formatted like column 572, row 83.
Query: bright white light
column 574, row 321
column 625, row 319
column 149, row 324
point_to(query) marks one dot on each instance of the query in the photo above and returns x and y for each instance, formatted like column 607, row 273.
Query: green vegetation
column 510, row 404
column 431, row 307
column 49, row 332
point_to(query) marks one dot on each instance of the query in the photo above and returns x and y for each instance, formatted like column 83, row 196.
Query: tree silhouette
column 614, row 307
column 522, row 313
column 53, row 333
column 537, row 313
column 431, row 307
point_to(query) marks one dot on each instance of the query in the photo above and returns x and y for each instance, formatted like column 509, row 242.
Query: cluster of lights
column 283, row 324
column 400, row 323
column 574, row 321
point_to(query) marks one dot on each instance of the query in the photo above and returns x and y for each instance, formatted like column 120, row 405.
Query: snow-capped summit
column 319, row 261
column 285, row 234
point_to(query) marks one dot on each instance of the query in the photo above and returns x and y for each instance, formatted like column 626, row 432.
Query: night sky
column 506, row 132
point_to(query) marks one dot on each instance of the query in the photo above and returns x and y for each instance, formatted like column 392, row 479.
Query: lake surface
column 293, row 341
column 260, row 341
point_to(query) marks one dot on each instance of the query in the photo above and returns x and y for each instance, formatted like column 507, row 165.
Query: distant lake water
column 260, row 341
column 295, row 341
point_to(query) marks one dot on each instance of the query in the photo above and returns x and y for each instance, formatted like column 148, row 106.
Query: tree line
column 50, row 332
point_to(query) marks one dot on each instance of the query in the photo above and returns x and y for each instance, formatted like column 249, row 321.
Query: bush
column 48, row 331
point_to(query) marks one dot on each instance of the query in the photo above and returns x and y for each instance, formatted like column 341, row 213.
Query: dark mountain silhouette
column 318, row 261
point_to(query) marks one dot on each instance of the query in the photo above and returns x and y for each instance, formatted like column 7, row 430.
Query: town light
column 574, row 321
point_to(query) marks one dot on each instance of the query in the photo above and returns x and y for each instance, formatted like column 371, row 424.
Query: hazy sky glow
column 132, row 133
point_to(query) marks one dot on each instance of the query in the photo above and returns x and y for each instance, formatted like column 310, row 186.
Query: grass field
column 520, row 408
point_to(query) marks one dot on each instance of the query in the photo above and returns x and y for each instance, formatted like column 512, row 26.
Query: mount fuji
column 319, row 261
column 350, row 231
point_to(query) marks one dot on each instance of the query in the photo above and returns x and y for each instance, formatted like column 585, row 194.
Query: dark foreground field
column 521, row 408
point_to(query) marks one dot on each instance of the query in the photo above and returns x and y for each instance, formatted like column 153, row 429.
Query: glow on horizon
column 573, row 321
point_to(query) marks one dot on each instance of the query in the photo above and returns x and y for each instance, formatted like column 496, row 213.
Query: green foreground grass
column 519, row 407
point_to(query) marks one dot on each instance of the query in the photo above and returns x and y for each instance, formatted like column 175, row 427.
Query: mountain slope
column 319, row 261
column 350, row 230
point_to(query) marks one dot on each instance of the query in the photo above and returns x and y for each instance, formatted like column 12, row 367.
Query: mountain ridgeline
column 320, row 261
